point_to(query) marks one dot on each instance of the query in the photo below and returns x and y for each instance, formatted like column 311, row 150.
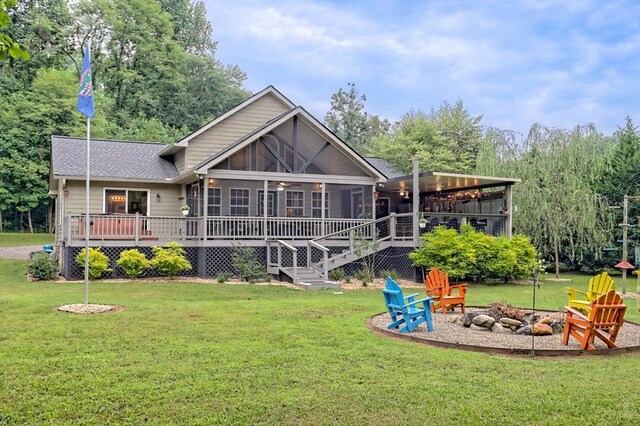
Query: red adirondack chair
column 437, row 283
column 604, row 322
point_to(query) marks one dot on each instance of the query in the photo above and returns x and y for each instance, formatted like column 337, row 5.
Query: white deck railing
column 106, row 227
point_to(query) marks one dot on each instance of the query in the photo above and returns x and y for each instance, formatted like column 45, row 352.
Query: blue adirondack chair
column 404, row 312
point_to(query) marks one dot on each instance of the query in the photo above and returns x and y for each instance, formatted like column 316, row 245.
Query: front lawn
column 210, row 354
column 23, row 239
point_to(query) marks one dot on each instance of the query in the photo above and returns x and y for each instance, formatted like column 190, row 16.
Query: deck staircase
column 337, row 249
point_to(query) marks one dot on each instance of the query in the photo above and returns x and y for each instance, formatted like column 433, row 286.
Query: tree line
column 571, row 178
column 154, row 69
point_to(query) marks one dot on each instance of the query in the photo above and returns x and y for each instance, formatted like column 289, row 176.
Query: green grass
column 230, row 354
column 23, row 239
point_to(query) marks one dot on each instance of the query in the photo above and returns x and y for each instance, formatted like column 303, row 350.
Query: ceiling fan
column 281, row 186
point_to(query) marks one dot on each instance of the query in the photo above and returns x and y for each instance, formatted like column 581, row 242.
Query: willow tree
column 557, row 205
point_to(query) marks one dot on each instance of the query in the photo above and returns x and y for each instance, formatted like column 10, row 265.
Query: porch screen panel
column 295, row 203
column 214, row 205
column 241, row 160
column 239, row 202
column 316, row 203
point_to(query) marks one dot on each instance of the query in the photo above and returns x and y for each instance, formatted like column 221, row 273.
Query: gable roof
column 171, row 149
column 110, row 159
column 277, row 121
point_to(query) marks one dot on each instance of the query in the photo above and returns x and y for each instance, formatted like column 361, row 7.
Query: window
column 214, row 205
column 272, row 205
column 122, row 201
column 295, row 203
column 239, row 202
column 316, row 203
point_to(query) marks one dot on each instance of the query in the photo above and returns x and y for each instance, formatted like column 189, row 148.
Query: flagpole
column 86, row 220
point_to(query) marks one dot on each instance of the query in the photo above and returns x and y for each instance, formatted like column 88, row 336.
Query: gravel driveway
column 18, row 252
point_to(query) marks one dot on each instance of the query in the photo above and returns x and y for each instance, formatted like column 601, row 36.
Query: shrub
column 98, row 262
column 389, row 273
column 223, row 277
column 133, row 263
column 365, row 275
column 336, row 274
column 170, row 260
column 245, row 262
column 42, row 267
column 476, row 255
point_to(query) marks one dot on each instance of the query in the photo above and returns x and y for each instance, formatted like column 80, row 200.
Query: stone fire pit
column 505, row 319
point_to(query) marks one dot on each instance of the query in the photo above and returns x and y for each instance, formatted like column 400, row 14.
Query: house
column 266, row 174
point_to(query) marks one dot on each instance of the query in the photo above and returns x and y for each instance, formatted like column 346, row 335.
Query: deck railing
column 492, row 224
column 106, row 227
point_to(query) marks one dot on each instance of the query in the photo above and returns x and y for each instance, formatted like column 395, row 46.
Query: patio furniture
column 405, row 313
column 604, row 322
column 598, row 285
column 437, row 283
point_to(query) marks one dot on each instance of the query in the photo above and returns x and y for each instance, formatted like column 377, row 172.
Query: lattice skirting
column 209, row 262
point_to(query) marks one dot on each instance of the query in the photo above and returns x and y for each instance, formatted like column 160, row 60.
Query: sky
column 558, row 63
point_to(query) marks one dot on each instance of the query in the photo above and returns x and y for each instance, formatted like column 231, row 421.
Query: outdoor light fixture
column 158, row 198
column 438, row 188
column 280, row 186
column 211, row 181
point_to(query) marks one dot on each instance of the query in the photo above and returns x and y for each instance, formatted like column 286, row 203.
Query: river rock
column 468, row 317
column 510, row 322
column 500, row 329
column 557, row 327
column 526, row 330
column 557, row 316
column 484, row 321
column 478, row 328
column 454, row 319
column 540, row 329
column 546, row 320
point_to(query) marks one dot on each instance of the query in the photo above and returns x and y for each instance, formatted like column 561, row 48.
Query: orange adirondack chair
column 437, row 283
column 604, row 322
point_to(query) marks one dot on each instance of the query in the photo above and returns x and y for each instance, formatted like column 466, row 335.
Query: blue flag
column 85, row 95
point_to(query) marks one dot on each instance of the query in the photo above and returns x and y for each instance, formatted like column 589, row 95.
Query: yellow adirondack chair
column 598, row 285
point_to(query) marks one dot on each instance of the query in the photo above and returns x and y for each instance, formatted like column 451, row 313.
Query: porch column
column 373, row 202
column 416, row 200
column 323, row 200
column 508, row 223
column 265, row 207
column 205, row 207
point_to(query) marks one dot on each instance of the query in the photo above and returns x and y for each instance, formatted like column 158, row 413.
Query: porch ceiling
column 429, row 181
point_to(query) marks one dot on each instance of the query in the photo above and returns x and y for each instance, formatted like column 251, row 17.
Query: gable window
column 272, row 205
column 295, row 203
column 123, row 201
column 239, row 202
column 214, row 206
column 316, row 203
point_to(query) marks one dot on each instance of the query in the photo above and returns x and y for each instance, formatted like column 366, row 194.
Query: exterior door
column 382, row 207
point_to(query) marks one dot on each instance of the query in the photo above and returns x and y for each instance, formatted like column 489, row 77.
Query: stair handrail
column 325, row 257
column 294, row 252
column 363, row 225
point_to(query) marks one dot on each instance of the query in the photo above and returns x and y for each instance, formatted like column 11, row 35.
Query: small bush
column 336, row 274
column 389, row 273
column 98, row 262
column 42, row 267
column 133, row 263
column 223, row 277
column 245, row 262
column 365, row 276
column 170, row 260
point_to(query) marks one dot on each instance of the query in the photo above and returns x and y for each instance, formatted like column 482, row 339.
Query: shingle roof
column 384, row 167
column 110, row 159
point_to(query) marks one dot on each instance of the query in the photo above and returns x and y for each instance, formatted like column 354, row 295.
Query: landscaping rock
column 557, row 316
column 526, row 330
column 540, row 329
column 455, row 319
column 484, row 321
column 468, row 317
column 546, row 320
column 510, row 322
column 500, row 329
column 478, row 328
column 557, row 327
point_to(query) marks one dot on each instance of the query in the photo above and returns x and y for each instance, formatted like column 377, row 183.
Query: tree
column 445, row 140
column 9, row 48
column 348, row 120
column 557, row 205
